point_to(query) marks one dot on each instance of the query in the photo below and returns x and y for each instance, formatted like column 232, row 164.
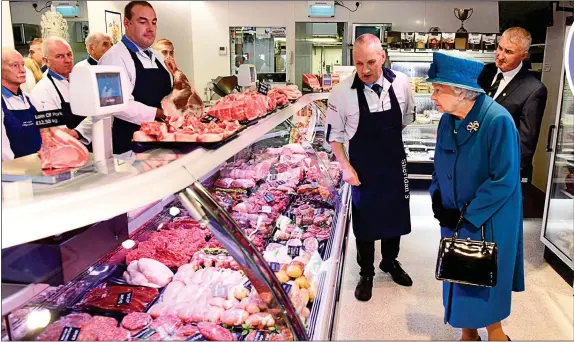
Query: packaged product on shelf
column 448, row 40
column 421, row 41
column 489, row 42
column 475, row 41
column 407, row 41
column 118, row 298
column 434, row 41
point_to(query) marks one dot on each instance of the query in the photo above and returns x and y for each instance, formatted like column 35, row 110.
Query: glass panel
column 560, row 217
column 264, row 47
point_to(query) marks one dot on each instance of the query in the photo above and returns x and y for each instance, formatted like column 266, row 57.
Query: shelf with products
column 266, row 201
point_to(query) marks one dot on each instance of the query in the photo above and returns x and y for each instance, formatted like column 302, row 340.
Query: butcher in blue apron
column 20, row 136
column 149, row 77
column 366, row 114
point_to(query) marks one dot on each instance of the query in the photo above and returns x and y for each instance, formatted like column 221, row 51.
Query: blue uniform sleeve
column 504, row 170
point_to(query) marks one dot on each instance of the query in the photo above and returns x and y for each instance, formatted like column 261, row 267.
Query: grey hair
column 469, row 95
column 519, row 36
column 49, row 41
column 369, row 39
column 94, row 37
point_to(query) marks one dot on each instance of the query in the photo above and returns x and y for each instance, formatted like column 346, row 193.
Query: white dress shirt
column 85, row 61
column 45, row 97
column 15, row 102
column 118, row 54
column 507, row 77
column 343, row 107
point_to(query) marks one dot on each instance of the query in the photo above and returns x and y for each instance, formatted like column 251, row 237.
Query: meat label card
column 266, row 209
column 219, row 291
column 269, row 198
column 275, row 267
column 209, row 118
column 263, row 88
column 69, row 334
column 124, row 298
column 196, row 337
column 49, row 118
column 259, row 335
column 286, row 287
column 293, row 251
column 144, row 334
column 248, row 284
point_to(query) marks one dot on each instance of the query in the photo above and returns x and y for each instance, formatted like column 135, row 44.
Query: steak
column 60, row 150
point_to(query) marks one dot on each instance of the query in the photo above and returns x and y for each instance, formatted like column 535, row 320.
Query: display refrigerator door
column 557, row 234
column 201, row 206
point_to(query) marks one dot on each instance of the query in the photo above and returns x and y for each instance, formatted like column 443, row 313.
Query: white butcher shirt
column 343, row 105
column 45, row 97
column 118, row 54
column 13, row 102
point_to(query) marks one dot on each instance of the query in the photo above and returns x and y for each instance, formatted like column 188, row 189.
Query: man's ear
column 45, row 60
column 126, row 22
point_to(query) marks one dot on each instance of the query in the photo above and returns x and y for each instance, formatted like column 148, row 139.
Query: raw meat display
column 192, row 130
column 214, row 332
column 241, row 107
column 148, row 272
column 171, row 247
column 213, row 257
column 60, row 150
column 55, row 330
column 312, row 81
column 119, row 298
column 136, row 321
column 183, row 101
column 291, row 91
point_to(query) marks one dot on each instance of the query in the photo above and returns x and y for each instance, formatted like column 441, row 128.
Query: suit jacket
column 525, row 98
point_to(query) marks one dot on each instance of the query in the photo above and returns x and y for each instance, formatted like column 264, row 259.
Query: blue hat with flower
column 455, row 71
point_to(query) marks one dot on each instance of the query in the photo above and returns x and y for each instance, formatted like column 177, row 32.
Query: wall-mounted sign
column 321, row 9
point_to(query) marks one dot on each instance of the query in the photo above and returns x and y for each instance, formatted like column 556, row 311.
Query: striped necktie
column 494, row 87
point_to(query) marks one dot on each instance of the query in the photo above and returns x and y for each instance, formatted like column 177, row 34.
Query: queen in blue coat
column 477, row 161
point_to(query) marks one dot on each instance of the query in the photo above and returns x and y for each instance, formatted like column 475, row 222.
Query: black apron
column 152, row 85
column 21, row 130
column 72, row 120
column 381, row 203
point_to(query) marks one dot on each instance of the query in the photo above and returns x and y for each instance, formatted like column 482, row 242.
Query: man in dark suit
column 512, row 85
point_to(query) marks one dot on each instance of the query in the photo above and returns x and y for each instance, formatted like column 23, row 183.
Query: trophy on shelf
column 462, row 15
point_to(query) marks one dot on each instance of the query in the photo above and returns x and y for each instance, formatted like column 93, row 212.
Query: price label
column 280, row 182
column 50, row 118
column 286, row 287
column 263, row 88
column 266, row 209
column 219, row 290
column 209, row 118
column 275, row 266
column 269, row 198
column 227, row 200
column 293, row 251
column 248, row 285
column 322, row 246
column 144, row 334
column 272, row 177
column 124, row 298
column 259, row 336
column 196, row 337
column 314, row 184
column 69, row 334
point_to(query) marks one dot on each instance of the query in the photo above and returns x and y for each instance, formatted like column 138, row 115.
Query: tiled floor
column 544, row 311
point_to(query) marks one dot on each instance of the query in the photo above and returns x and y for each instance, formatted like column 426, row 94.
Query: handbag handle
column 459, row 225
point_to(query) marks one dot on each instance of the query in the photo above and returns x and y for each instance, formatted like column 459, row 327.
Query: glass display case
column 248, row 247
column 420, row 137
column 557, row 233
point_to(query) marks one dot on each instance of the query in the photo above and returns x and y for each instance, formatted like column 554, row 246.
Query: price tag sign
column 263, row 88
column 124, row 298
column 266, row 209
column 248, row 285
column 322, row 247
column 259, row 335
column 272, row 177
column 269, row 198
column 50, row 118
column 286, row 287
column 144, row 334
column 219, row 291
column 209, row 118
column 314, row 184
column 275, row 266
column 69, row 334
column 293, row 251
column 196, row 337
column 280, row 182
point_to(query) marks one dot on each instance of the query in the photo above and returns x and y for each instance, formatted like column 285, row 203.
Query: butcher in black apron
column 148, row 76
column 380, row 199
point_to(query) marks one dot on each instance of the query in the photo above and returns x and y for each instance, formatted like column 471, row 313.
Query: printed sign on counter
column 263, row 87
column 69, row 334
column 49, row 118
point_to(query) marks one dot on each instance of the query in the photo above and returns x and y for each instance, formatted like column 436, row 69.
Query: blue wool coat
column 482, row 167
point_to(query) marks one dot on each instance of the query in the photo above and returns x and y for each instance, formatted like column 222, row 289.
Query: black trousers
column 366, row 254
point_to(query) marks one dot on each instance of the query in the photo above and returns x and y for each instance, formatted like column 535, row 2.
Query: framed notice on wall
column 114, row 26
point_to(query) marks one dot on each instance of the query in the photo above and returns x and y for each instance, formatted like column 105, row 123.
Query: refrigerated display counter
column 244, row 241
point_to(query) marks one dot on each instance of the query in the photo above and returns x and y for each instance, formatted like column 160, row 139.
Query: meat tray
column 254, row 121
column 142, row 146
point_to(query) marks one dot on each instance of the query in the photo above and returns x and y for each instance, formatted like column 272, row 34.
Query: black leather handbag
column 467, row 261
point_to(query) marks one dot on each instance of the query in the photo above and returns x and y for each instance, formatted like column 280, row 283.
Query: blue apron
column 91, row 61
column 21, row 130
column 381, row 203
column 152, row 85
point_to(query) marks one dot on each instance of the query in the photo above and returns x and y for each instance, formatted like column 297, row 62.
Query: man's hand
column 159, row 115
column 350, row 176
column 72, row 132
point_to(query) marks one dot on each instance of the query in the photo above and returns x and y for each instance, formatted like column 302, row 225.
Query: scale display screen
column 109, row 88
